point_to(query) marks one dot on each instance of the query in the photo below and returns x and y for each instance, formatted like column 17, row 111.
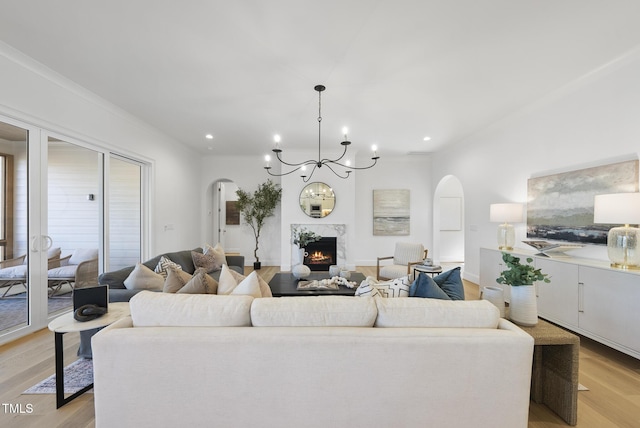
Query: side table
column 554, row 377
column 431, row 270
column 65, row 324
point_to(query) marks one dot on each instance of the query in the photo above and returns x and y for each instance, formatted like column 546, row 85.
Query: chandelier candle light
column 340, row 169
column 506, row 213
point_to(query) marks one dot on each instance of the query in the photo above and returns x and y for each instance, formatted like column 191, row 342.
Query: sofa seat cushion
column 19, row 271
column 411, row 312
column 313, row 311
column 68, row 271
column 149, row 309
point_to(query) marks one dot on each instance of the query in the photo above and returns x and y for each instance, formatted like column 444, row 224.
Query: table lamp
column 505, row 213
column 622, row 242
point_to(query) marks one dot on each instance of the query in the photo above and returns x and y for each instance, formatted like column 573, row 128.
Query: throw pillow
column 425, row 286
column 451, row 283
column 164, row 264
column 265, row 290
column 249, row 286
column 366, row 288
column 200, row 283
column 143, row 278
column 211, row 259
column 227, row 283
column 176, row 279
column 398, row 287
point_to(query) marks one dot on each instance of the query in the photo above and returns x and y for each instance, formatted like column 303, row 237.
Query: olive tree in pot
column 257, row 207
column 523, row 308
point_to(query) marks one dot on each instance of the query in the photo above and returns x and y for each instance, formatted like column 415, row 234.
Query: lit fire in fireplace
column 319, row 257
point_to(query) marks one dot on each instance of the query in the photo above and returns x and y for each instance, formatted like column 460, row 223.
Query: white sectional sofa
column 329, row 361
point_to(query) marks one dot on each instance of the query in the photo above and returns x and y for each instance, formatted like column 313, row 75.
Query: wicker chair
column 13, row 272
column 84, row 274
column 406, row 254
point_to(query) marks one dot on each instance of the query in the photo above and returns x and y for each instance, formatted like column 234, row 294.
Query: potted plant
column 523, row 308
column 257, row 207
column 301, row 238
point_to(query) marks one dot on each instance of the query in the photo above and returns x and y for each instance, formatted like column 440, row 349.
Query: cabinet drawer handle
column 581, row 297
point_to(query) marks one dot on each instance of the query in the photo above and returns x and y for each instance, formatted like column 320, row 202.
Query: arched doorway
column 448, row 221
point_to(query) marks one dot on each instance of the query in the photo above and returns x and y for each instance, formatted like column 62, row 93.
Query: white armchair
column 405, row 255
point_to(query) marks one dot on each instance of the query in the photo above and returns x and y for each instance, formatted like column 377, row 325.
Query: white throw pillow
column 143, row 278
column 227, row 283
column 398, row 287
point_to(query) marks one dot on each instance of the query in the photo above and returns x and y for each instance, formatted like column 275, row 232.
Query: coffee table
column 285, row 284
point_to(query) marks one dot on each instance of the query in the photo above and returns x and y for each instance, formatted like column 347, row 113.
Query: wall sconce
column 505, row 214
column 622, row 242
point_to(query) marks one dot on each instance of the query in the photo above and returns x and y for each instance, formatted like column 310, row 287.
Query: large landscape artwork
column 560, row 206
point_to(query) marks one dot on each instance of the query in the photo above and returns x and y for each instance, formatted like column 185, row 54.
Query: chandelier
column 340, row 169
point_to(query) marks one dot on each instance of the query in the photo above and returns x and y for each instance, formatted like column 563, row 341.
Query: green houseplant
column 520, row 274
column 523, row 308
column 256, row 208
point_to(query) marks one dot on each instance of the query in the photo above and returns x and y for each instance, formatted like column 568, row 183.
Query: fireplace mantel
column 329, row 230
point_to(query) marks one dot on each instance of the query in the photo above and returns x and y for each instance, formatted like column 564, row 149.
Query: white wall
column 31, row 93
column 354, row 205
column 246, row 172
column 593, row 121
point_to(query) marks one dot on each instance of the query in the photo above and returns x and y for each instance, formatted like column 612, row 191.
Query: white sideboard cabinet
column 585, row 296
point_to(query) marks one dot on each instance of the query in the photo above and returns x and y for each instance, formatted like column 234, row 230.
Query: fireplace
column 321, row 254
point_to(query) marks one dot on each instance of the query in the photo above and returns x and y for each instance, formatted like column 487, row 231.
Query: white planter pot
column 298, row 256
column 523, row 308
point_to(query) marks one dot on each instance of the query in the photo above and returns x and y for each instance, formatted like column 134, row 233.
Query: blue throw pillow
column 451, row 283
column 425, row 286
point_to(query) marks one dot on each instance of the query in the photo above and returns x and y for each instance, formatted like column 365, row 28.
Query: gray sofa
column 119, row 293
column 115, row 280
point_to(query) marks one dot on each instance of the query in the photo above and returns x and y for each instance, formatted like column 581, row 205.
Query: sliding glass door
column 14, row 228
column 62, row 202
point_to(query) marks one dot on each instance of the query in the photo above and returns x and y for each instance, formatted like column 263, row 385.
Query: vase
column 298, row 256
column 334, row 270
column 301, row 271
column 494, row 295
column 523, row 308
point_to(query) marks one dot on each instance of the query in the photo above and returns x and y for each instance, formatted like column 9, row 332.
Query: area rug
column 77, row 375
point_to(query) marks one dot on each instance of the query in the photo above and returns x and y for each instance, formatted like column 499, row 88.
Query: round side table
column 66, row 324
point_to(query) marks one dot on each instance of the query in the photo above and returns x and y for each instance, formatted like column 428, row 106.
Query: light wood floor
column 613, row 379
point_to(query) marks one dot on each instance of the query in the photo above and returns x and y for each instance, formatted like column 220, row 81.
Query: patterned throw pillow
column 211, row 259
column 398, row 287
column 163, row 266
column 176, row 279
column 200, row 283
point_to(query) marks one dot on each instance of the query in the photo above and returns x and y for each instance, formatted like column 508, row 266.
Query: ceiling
column 395, row 71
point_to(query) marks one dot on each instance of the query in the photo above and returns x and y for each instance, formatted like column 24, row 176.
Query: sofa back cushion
column 316, row 311
column 149, row 309
column 413, row 312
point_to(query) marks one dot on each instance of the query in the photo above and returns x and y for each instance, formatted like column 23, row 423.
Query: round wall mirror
column 317, row 200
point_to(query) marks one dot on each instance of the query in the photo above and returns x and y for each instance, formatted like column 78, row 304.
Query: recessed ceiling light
column 209, row 137
column 426, row 138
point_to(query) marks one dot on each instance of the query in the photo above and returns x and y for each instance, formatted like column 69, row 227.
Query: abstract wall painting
column 391, row 212
column 560, row 206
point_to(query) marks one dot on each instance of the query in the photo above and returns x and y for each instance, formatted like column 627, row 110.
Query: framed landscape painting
column 391, row 216
column 560, row 206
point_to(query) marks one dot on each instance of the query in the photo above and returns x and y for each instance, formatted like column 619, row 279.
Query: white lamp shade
column 617, row 208
column 506, row 213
